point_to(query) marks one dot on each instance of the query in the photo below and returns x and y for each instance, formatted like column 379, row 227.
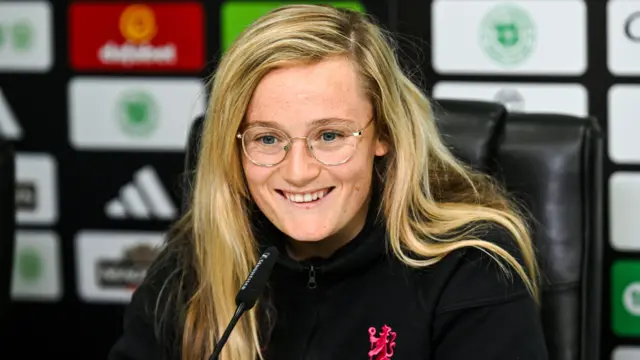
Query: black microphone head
column 257, row 279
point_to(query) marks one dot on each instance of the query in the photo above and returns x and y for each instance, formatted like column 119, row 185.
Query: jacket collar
column 367, row 246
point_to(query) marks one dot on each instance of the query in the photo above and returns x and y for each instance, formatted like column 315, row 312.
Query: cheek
column 362, row 173
column 357, row 190
column 357, row 175
column 256, row 176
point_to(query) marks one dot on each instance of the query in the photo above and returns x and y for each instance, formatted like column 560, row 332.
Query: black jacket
column 363, row 303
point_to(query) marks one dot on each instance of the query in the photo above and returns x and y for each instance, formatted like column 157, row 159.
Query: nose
column 299, row 168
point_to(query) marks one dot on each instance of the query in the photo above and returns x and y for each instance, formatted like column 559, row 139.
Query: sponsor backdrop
column 98, row 98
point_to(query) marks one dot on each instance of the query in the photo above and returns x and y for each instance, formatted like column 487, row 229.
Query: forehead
column 300, row 94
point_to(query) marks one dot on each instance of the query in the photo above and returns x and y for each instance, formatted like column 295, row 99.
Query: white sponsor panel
column 623, row 124
column 623, row 37
column 112, row 264
column 26, row 36
column 37, row 267
column 570, row 99
column 515, row 37
column 133, row 114
column 624, row 199
column 36, row 189
column 626, row 353
column 142, row 198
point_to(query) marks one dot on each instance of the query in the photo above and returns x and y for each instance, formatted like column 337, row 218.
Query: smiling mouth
column 305, row 198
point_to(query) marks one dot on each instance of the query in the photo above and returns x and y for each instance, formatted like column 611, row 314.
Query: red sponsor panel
column 116, row 36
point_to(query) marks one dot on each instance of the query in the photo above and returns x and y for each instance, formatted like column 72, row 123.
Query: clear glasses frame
column 289, row 139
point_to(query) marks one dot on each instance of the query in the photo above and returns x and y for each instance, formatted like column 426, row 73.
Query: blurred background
column 97, row 99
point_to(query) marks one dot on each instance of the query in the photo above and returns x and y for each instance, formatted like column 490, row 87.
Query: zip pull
column 311, row 284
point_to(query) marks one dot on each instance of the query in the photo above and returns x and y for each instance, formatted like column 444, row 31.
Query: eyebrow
column 314, row 123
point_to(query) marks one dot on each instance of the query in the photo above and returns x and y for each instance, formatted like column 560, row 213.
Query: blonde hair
column 432, row 202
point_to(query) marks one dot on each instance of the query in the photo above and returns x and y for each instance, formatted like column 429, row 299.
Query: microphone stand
column 223, row 339
column 248, row 294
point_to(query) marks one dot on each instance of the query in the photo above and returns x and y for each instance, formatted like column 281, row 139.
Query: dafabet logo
column 139, row 36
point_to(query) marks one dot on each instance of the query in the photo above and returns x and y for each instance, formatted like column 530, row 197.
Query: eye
column 328, row 136
column 267, row 139
column 331, row 135
column 264, row 137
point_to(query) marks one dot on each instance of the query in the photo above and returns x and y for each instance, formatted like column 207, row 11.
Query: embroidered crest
column 382, row 346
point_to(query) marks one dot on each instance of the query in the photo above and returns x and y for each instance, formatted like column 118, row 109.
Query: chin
column 302, row 233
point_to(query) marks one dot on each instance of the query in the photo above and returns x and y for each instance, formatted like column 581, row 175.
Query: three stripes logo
column 142, row 198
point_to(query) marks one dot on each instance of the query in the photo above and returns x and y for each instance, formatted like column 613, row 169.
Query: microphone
column 249, row 293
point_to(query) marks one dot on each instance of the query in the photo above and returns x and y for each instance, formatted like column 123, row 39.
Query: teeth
column 308, row 197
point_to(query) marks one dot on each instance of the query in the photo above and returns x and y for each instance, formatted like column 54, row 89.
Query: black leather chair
column 7, row 226
column 551, row 164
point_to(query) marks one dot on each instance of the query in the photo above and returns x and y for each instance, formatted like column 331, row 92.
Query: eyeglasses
column 329, row 144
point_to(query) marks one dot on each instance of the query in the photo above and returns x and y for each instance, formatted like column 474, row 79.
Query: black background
column 73, row 329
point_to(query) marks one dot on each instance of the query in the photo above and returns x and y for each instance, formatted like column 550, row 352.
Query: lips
column 305, row 197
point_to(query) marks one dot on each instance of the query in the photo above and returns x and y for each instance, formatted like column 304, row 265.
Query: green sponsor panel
column 235, row 16
column 625, row 298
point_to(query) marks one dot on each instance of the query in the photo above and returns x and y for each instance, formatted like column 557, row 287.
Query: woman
column 317, row 143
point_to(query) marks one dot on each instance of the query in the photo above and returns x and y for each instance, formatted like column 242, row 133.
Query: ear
column 381, row 147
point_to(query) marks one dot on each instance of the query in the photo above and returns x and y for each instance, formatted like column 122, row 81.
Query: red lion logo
column 382, row 347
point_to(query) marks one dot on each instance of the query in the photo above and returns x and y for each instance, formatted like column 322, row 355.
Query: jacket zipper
column 311, row 283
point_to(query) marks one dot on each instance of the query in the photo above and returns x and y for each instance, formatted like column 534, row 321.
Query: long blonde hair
column 429, row 197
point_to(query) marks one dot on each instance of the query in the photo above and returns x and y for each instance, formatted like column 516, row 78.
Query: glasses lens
column 333, row 144
column 264, row 146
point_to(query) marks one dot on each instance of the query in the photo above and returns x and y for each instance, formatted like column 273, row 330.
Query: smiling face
column 304, row 198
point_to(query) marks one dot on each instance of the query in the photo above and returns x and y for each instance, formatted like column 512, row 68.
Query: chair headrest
column 470, row 129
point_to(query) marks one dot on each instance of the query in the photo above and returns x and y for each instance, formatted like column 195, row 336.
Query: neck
column 302, row 250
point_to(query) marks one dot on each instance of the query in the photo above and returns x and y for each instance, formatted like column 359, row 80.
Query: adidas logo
column 142, row 198
column 9, row 126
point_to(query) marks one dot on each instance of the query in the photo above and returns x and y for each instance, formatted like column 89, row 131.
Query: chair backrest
column 7, row 226
column 551, row 164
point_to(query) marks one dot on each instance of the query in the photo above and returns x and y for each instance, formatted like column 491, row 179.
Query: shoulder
column 157, row 281
column 156, row 305
column 149, row 327
column 471, row 276
column 161, row 274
